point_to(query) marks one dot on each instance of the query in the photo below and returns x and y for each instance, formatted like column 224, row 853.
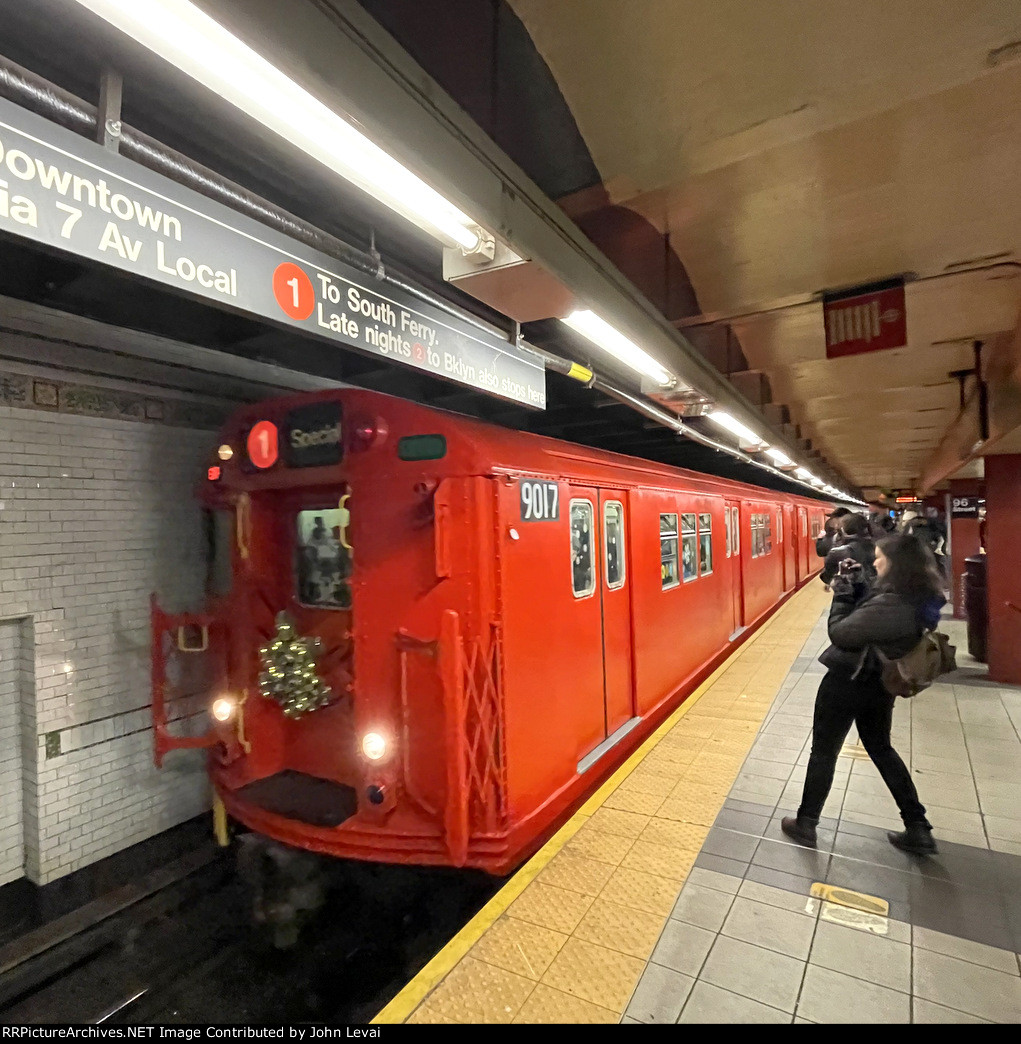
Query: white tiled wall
column 11, row 837
column 94, row 515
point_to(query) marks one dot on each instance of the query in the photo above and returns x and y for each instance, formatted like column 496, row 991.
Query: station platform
column 672, row 895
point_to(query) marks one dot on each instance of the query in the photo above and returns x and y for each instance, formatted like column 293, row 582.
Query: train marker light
column 373, row 746
column 223, row 708
column 604, row 336
column 213, row 473
column 225, row 452
column 203, row 49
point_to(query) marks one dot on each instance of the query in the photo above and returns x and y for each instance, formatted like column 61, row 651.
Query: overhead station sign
column 61, row 190
column 866, row 319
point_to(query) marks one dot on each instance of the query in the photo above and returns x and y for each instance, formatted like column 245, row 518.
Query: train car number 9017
column 540, row 501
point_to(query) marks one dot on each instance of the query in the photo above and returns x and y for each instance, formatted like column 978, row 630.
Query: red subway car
column 441, row 634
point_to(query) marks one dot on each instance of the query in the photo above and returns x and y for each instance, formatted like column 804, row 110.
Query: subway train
column 440, row 635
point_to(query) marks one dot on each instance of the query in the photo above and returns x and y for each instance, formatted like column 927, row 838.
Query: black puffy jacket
column 862, row 549
column 862, row 620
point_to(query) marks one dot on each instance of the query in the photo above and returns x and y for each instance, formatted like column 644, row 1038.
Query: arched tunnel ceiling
column 792, row 147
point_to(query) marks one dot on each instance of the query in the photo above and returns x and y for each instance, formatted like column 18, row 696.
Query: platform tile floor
column 745, row 941
column 672, row 896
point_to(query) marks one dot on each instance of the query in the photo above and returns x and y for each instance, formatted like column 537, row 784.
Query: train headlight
column 223, row 708
column 225, row 452
column 373, row 746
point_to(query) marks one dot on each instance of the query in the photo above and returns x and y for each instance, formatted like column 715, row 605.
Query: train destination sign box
column 61, row 190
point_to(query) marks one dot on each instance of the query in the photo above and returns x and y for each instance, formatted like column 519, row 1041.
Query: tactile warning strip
column 566, row 939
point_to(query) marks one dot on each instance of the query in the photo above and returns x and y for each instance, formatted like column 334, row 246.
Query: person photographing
column 888, row 616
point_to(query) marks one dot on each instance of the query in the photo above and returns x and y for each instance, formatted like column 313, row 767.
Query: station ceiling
column 790, row 148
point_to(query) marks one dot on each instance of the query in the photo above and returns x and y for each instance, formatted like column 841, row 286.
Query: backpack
column 918, row 669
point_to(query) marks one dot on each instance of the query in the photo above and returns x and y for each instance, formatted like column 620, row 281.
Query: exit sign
column 865, row 319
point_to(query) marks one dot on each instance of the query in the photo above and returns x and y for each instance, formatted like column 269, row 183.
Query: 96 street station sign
column 61, row 190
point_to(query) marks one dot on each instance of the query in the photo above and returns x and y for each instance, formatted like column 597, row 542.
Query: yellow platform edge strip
column 430, row 976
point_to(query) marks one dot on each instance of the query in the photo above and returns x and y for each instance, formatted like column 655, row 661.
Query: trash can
column 976, row 605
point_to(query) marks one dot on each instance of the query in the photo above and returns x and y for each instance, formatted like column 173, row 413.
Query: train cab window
column 705, row 544
column 668, row 557
column 583, row 572
column 689, row 546
column 323, row 563
column 613, row 547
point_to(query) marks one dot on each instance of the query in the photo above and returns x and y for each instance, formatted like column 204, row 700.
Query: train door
column 788, row 546
column 601, row 588
column 733, row 532
column 615, row 593
column 801, row 543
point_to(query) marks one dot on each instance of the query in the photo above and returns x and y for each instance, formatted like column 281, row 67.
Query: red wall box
column 507, row 676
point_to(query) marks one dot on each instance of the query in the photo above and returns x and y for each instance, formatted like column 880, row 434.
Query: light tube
column 602, row 334
column 724, row 420
column 188, row 38
column 780, row 457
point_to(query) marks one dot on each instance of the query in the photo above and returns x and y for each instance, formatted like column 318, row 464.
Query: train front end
column 339, row 717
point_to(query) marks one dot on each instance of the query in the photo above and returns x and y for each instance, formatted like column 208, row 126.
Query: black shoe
column 801, row 830
column 917, row 839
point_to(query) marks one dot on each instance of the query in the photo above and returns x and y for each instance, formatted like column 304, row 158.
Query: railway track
column 183, row 950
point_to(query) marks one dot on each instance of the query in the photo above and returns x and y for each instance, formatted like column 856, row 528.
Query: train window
column 323, row 563
column 737, row 531
column 689, row 546
column 582, row 550
column 779, row 528
column 804, row 524
column 768, row 527
column 757, row 541
column 705, row 544
column 422, row 447
column 728, row 527
column 613, row 548
column 815, row 529
column 668, row 557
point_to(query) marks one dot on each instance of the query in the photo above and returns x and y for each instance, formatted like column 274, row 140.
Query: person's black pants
column 841, row 701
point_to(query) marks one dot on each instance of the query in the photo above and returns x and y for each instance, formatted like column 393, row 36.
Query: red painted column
column 964, row 539
column 1003, row 523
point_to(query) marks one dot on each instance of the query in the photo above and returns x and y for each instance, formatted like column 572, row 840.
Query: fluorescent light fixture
column 815, row 481
column 186, row 37
column 780, row 457
column 724, row 420
column 602, row 334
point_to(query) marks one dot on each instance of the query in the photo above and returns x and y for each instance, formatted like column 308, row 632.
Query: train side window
column 689, row 546
column 804, row 525
column 668, row 556
column 815, row 529
column 613, row 547
column 737, row 531
column 583, row 573
column 728, row 527
column 322, row 562
column 779, row 528
column 705, row 544
column 768, row 520
column 756, row 536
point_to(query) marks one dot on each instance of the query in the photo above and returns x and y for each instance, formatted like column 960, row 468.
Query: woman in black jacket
column 891, row 617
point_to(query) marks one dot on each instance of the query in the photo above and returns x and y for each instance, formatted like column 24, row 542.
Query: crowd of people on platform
column 888, row 581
